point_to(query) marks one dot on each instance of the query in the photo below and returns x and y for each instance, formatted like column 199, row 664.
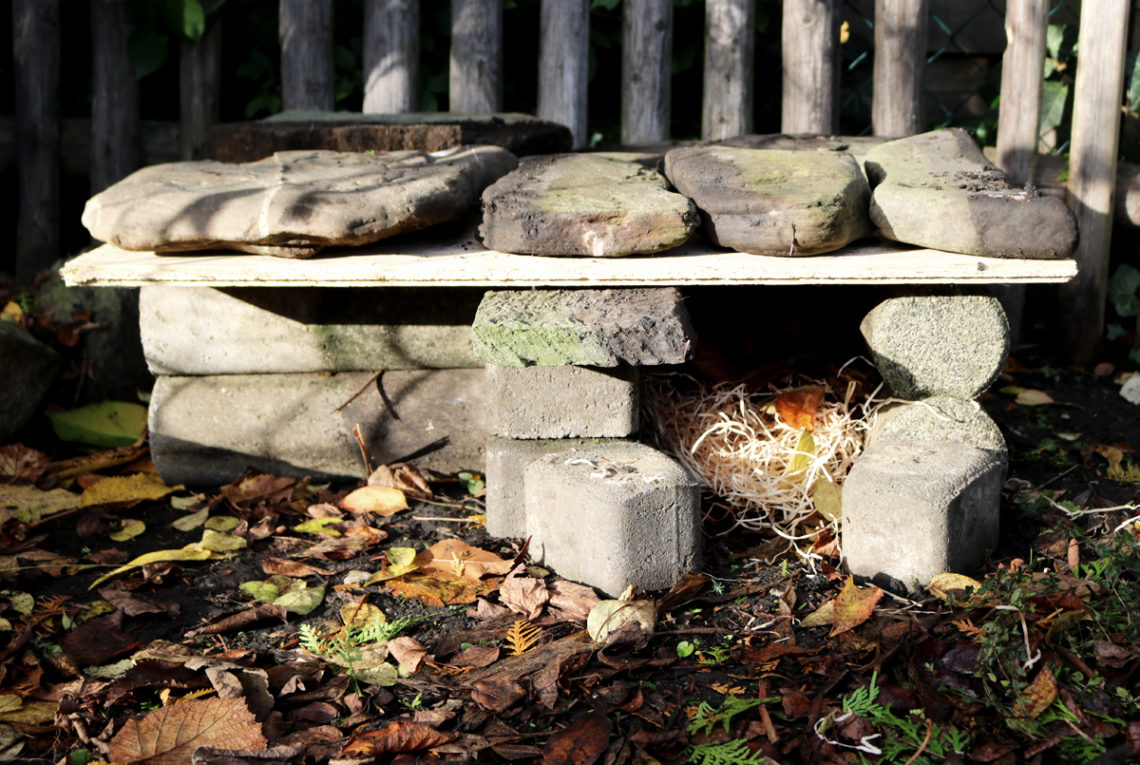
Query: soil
column 735, row 632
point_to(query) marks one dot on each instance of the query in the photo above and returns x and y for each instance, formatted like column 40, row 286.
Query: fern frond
column 734, row 752
column 522, row 637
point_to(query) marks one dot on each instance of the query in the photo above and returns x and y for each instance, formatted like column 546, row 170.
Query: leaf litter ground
column 380, row 634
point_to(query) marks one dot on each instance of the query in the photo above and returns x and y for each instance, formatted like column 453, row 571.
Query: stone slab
column 938, row 345
column 563, row 402
column 520, row 134
column 256, row 330
column 28, row 369
column 585, row 204
column 601, row 328
column 937, row 190
column 207, row 430
column 773, row 201
column 913, row 509
column 941, row 418
column 614, row 515
column 292, row 203
column 507, row 459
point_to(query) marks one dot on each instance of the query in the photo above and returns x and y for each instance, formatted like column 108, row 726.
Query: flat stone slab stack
column 294, row 203
column 924, row 496
column 562, row 465
column 276, row 379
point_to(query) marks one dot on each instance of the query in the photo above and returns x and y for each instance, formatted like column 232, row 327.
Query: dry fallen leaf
column 853, row 606
column 169, row 735
column 397, row 737
column 1030, row 397
column 798, row 407
column 401, row 476
column 1038, row 695
column 379, row 500
column 127, row 488
column 942, row 586
column 582, row 741
column 21, row 463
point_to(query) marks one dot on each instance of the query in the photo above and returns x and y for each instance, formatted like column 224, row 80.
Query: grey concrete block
column 591, row 327
column 562, row 402
column 938, row 345
column 614, row 515
column 938, row 419
column 507, row 459
column 28, row 369
column 913, row 509
column 207, row 430
column 252, row 330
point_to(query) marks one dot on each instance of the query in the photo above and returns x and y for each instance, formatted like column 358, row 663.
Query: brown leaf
column 97, row 641
column 169, row 735
column 682, row 592
column 496, row 694
column 409, row 652
column 240, row 620
column 570, row 601
column 525, row 595
column 1038, row 695
column 580, row 743
column 21, row 463
column 798, row 407
column 257, row 489
column 476, row 656
column 402, row 476
column 853, row 606
column 293, row 568
column 455, row 559
column 397, row 737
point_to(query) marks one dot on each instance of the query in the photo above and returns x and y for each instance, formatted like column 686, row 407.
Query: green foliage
column 472, row 484
column 707, row 717
column 154, row 24
column 734, row 752
column 260, row 69
column 1124, row 290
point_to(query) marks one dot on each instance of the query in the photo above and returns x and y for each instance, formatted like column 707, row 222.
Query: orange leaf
column 436, row 592
column 455, row 559
column 1038, row 695
column 584, row 740
column 169, row 735
column 797, row 407
column 397, row 737
column 853, row 606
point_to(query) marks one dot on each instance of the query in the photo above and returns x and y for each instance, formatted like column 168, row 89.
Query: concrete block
column 258, row 330
column 913, row 509
column 29, row 368
column 562, row 402
column 507, row 459
column 938, row 345
column 614, row 515
column 207, row 430
column 590, row 327
column 938, row 419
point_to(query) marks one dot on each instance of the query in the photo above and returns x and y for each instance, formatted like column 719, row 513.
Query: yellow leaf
column 319, row 526
column 221, row 543
column 942, row 586
column 805, row 453
column 362, row 615
column 193, row 551
column 381, row 500
column 823, row 616
column 29, row 505
column 128, row 529
column 12, row 312
column 401, row 560
column 127, row 488
column 853, row 606
column 192, row 521
column 1030, row 397
column 223, row 523
column 1038, row 695
column 827, row 498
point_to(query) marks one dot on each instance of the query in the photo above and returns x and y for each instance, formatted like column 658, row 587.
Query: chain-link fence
column 965, row 42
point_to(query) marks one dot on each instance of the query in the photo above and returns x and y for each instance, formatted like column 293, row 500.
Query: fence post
column 810, row 50
column 36, row 52
column 391, row 55
column 900, row 58
column 730, row 42
column 647, row 49
column 1097, row 98
column 564, row 51
column 304, row 29
column 199, row 74
column 115, row 129
column 475, row 84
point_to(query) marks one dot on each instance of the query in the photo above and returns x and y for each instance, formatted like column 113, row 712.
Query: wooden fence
column 810, row 52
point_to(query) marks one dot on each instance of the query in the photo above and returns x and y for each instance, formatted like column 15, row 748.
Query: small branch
column 922, row 746
column 358, row 434
column 358, row 393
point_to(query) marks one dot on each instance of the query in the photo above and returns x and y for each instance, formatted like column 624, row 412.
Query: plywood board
column 464, row 263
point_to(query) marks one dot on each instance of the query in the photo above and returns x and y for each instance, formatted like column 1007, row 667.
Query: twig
column 358, row 434
column 1130, row 521
column 358, row 393
column 1057, row 477
column 922, row 746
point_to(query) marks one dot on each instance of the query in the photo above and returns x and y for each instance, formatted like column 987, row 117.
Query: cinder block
column 938, row 419
column 938, row 345
column 562, row 402
column 913, row 509
column 589, row 327
column 507, row 459
column 258, row 330
column 614, row 515
column 207, row 430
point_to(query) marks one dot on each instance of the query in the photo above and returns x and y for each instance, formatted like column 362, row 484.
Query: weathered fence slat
column 199, row 74
column 475, row 83
column 730, row 44
column 1026, row 22
column 1097, row 97
column 900, row 59
column 115, row 127
column 647, row 44
column 391, row 56
column 36, row 53
column 305, row 32
column 564, row 50
column 810, row 50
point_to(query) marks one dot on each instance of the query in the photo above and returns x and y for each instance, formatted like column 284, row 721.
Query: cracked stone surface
column 293, row 203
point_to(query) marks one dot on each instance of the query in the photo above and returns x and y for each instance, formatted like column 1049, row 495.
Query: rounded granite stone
column 941, row 418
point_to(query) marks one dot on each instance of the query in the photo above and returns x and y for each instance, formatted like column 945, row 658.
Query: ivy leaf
column 186, row 17
column 146, row 50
